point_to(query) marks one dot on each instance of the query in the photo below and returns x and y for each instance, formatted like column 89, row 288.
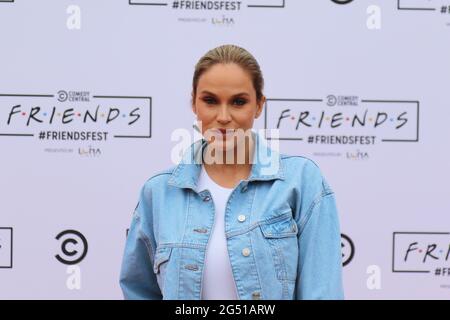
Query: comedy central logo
column 343, row 120
column 73, row 96
column 75, row 115
column 421, row 252
column 73, row 245
column 342, row 1
column 347, row 248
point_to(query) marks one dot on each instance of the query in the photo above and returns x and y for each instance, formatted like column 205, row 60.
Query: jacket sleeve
column 319, row 273
column 137, row 279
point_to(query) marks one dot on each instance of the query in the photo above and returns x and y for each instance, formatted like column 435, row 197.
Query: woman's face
column 226, row 99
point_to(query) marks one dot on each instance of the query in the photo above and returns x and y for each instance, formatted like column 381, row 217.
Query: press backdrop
column 91, row 92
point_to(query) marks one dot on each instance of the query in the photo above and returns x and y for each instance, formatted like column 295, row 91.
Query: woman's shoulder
column 303, row 170
column 299, row 164
column 159, row 178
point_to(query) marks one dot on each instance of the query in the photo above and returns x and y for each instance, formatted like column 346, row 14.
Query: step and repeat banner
column 91, row 92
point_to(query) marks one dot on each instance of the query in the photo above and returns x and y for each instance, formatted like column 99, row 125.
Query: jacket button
column 256, row 295
column 241, row 218
column 207, row 198
column 201, row 230
column 192, row 267
column 246, row 252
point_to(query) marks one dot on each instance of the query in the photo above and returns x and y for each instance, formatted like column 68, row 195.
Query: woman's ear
column 260, row 106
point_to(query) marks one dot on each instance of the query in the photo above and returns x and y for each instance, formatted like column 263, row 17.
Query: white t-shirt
column 218, row 281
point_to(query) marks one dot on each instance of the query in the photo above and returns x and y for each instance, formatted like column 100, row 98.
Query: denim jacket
column 286, row 244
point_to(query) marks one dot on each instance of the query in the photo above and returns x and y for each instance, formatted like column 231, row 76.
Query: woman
column 234, row 219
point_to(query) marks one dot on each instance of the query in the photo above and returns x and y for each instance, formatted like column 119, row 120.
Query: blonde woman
column 241, row 227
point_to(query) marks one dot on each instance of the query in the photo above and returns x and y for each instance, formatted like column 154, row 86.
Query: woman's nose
column 224, row 114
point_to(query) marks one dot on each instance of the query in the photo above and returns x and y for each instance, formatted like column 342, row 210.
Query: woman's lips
column 224, row 132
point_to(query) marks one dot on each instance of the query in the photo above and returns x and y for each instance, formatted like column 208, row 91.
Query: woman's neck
column 230, row 163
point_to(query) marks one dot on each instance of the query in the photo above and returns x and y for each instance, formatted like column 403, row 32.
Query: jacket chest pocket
column 281, row 235
column 162, row 257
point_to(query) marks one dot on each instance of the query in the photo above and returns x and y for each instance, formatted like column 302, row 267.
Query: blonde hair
column 225, row 54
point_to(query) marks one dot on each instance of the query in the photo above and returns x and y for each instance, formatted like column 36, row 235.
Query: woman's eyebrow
column 235, row 95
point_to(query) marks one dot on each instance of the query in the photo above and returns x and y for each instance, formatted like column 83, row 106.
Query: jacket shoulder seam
column 313, row 205
column 286, row 156
column 168, row 171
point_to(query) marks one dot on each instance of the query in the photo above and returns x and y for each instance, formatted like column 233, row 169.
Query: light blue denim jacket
column 291, row 229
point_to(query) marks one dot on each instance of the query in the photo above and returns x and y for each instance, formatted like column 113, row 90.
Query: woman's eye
column 240, row 102
column 209, row 100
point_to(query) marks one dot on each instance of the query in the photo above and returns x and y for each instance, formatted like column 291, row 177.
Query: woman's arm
column 319, row 273
column 137, row 279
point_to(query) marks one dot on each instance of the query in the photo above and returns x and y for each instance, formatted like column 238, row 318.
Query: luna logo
column 90, row 152
column 338, row 119
column 68, row 115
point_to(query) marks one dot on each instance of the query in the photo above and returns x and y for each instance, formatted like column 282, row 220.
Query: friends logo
column 211, row 4
column 343, row 120
column 416, row 5
column 425, row 6
column 6, row 247
column 210, row 8
column 75, row 115
column 421, row 252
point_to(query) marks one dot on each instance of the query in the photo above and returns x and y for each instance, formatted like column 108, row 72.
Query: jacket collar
column 266, row 165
